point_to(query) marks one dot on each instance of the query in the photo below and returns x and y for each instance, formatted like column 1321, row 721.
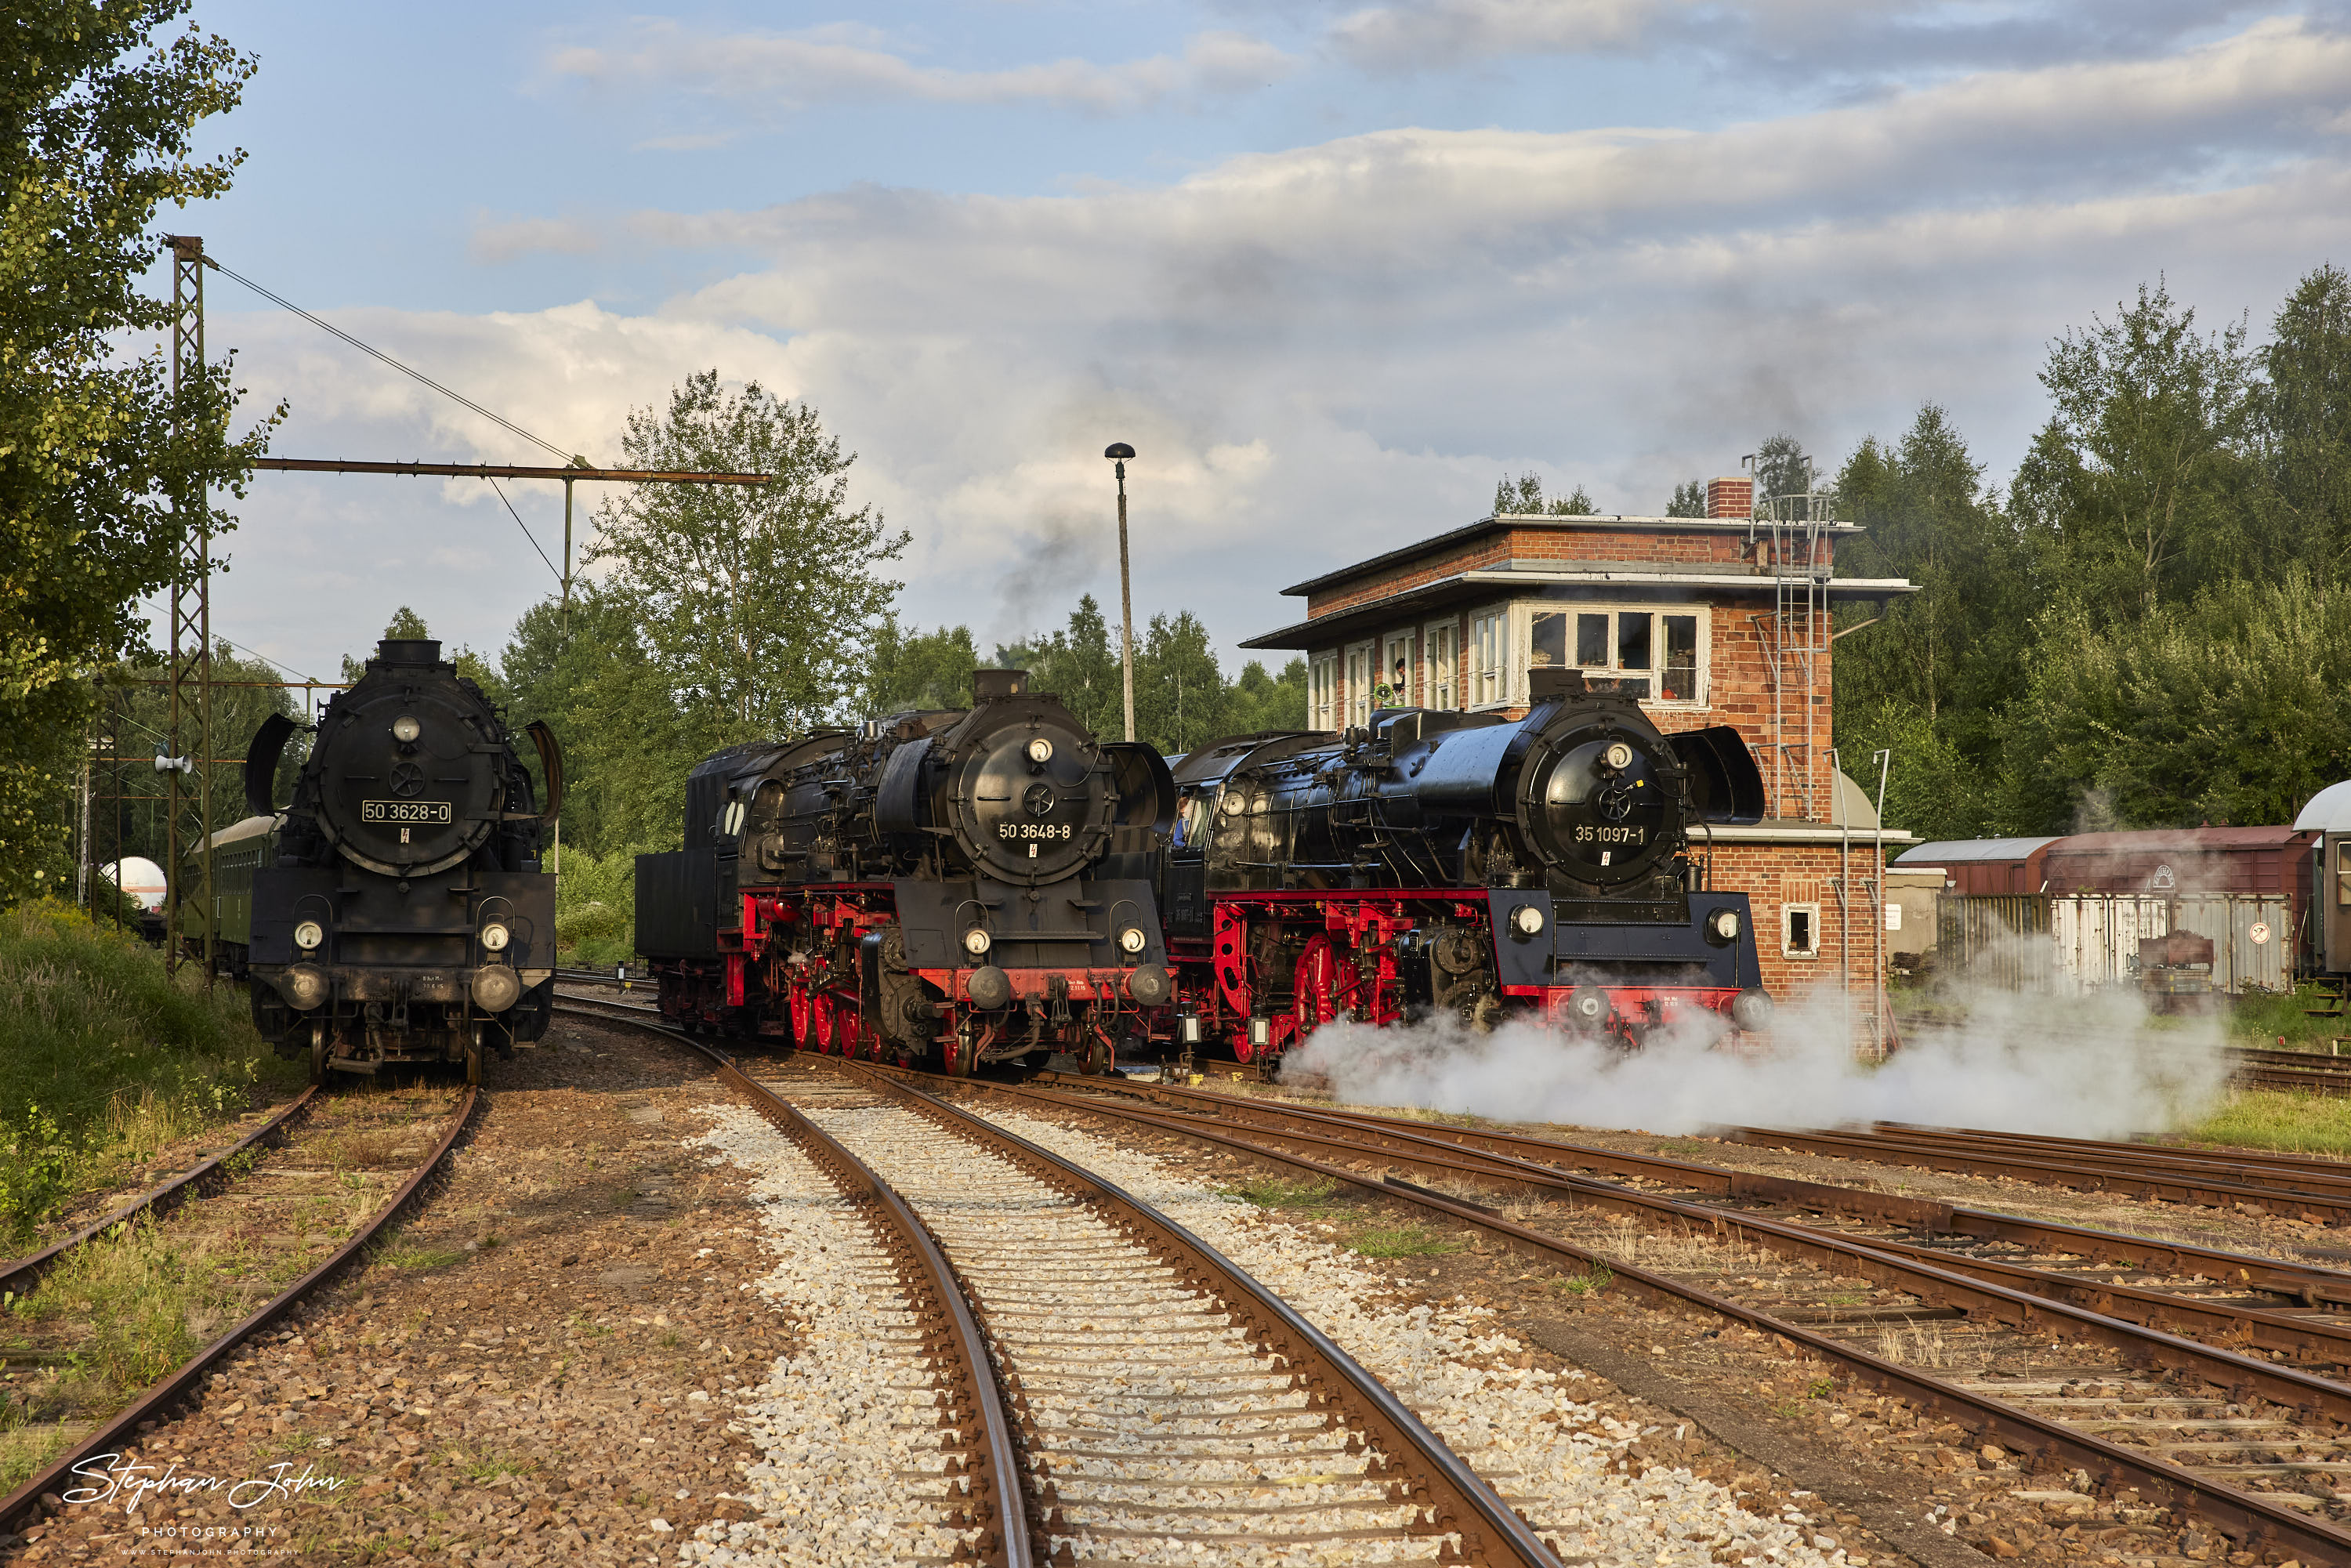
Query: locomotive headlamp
column 304, row 987
column 1233, row 804
column 405, row 729
column 975, row 942
column 1723, row 926
column 494, row 938
column 496, row 987
column 1527, row 920
column 1040, row 751
column 1618, row 755
column 1132, row 939
column 309, row 934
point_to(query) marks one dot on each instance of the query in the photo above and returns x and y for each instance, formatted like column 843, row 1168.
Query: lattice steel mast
column 189, row 813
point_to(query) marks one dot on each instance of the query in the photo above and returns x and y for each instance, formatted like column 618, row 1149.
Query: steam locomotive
column 958, row 886
column 1444, row 863
column 395, row 911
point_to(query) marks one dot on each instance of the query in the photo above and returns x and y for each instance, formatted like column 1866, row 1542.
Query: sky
column 1333, row 270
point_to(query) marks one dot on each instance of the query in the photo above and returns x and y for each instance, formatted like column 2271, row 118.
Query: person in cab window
column 1391, row 693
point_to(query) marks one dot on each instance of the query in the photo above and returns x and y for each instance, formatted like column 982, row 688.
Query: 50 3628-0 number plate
column 406, row 811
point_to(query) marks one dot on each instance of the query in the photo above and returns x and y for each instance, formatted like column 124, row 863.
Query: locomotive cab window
column 1800, row 928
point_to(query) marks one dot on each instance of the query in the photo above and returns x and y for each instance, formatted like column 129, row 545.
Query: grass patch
column 2278, row 1119
column 483, row 1465
column 596, row 908
column 104, row 1060
column 1406, row 1242
column 141, row 1301
column 1591, row 1282
column 398, row 1254
column 1273, row 1192
column 2264, row 1019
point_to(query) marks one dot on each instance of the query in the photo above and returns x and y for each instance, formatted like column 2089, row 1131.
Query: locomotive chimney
column 995, row 686
column 408, row 651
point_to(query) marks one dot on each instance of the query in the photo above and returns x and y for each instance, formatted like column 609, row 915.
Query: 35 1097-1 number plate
column 439, row 812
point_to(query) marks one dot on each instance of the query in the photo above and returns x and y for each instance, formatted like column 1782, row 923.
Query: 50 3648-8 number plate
column 407, row 811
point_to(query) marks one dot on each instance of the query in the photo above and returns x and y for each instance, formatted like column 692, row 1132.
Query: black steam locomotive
column 1435, row 861
column 961, row 886
column 405, row 917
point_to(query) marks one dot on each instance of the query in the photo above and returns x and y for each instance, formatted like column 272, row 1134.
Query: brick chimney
column 1731, row 497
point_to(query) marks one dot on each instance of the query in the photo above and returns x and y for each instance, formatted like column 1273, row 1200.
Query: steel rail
column 26, row 1272
column 1453, row 1498
column 2019, row 1165
column 2304, row 1339
column 166, row 1392
column 2250, row 1163
column 998, row 1505
column 2244, row 1516
column 1934, row 1277
column 2308, row 1283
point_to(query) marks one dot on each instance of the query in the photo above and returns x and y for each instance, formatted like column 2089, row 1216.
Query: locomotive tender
column 961, row 885
column 403, row 915
column 1437, row 861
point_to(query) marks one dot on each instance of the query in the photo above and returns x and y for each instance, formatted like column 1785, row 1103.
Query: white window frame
column 1788, row 913
column 1486, row 657
column 1322, row 691
column 1524, row 632
column 1408, row 640
column 1356, row 694
column 1441, row 642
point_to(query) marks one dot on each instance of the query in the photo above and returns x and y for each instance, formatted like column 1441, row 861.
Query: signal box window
column 1443, row 687
column 1650, row 655
column 1800, row 930
column 1322, row 693
column 1486, row 634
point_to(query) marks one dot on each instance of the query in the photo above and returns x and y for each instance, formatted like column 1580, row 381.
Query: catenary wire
column 404, row 369
column 523, row 525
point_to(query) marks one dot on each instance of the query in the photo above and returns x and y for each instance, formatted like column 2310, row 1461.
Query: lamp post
column 1118, row 451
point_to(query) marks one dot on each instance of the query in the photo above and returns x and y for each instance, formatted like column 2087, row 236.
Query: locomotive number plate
column 407, row 811
column 1034, row 830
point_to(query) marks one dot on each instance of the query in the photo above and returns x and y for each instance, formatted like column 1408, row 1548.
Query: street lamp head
column 1118, row 451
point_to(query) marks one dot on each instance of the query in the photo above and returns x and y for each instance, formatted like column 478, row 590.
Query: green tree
column 2234, row 708
column 1523, row 498
column 407, row 626
column 100, row 121
column 1260, row 701
column 927, row 670
column 135, row 709
column 755, row 601
column 1689, row 501
column 1782, row 471
column 2139, row 476
column 2300, row 422
column 1180, row 696
column 1933, row 679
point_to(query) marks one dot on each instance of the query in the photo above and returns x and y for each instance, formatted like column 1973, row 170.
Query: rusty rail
column 24, row 1274
column 160, row 1395
column 2243, row 1515
column 1450, row 1495
column 997, row 1506
column 2059, row 1168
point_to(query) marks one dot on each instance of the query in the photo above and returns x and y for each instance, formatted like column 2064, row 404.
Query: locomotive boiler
column 401, row 914
column 1444, row 863
column 957, row 886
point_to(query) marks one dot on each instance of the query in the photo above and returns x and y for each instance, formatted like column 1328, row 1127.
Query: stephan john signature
column 138, row 1481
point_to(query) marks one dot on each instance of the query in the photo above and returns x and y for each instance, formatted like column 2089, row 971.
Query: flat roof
column 1970, row 852
column 1498, row 521
column 1484, row 582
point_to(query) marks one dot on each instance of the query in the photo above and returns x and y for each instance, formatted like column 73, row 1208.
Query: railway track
column 1167, row 1405
column 266, row 1209
column 2232, row 1440
column 2304, row 1071
column 2314, row 1190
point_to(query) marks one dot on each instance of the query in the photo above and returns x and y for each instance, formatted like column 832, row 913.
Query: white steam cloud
column 2093, row 1066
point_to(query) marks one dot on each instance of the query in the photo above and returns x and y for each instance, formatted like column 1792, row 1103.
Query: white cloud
column 796, row 72
column 1328, row 351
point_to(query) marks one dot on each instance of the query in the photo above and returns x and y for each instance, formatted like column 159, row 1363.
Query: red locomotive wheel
column 1315, row 984
column 803, row 1018
column 821, row 1023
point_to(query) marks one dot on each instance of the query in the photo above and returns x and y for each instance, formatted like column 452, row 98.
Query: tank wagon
column 957, row 886
column 1439, row 861
column 395, row 911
